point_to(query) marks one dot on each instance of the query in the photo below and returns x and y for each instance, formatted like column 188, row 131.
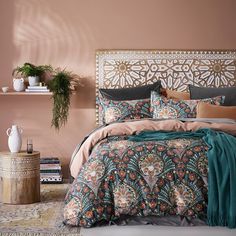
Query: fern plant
column 29, row 69
column 60, row 85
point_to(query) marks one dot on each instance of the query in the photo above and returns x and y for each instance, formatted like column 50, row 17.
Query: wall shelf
column 11, row 93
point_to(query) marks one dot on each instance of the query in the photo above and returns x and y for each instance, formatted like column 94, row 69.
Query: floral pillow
column 164, row 108
column 113, row 110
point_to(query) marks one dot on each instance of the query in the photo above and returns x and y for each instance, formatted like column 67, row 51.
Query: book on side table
column 50, row 170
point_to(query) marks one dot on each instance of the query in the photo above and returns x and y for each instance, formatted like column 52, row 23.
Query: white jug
column 14, row 138
column 18, row 84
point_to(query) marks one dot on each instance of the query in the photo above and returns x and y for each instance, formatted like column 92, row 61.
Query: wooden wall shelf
column 25, row 93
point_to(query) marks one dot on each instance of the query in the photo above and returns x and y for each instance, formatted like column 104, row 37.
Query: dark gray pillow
column 201, row 92
column 131, row 93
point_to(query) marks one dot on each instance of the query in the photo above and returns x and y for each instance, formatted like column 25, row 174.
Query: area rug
column 43, row 218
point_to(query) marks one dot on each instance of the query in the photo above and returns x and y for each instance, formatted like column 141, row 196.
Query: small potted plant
column 33, row 72
column 62, row 84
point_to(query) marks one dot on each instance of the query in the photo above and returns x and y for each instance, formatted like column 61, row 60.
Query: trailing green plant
column 60, row 85
column 60, row 82
column 29, row 69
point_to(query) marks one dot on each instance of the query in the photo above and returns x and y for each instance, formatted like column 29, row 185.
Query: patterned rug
column 43, row 218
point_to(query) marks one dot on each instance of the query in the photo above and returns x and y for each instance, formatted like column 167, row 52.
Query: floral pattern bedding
column 150, row 178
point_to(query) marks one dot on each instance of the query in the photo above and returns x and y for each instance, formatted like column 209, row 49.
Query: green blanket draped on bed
column 221, row 155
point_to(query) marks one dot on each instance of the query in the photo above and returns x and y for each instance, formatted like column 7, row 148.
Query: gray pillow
column 202, row 92
column 134, row 93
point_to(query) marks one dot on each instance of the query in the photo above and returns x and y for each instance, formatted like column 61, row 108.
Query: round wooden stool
column 19, row 177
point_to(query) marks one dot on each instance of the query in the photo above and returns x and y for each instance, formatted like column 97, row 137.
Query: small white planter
column 33, row 80
column 14, row 138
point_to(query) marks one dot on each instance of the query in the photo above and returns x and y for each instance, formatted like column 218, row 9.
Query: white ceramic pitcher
column 14, row 138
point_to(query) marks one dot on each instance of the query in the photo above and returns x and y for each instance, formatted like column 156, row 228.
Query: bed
column 159, row 155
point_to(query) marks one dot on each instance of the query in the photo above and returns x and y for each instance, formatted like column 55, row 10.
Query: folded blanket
column 221, row 209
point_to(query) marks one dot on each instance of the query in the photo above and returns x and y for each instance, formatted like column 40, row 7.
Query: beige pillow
column 205, row 110
column 172, row 94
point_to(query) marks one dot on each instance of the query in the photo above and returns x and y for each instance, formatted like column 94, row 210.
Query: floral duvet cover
column 150, row 178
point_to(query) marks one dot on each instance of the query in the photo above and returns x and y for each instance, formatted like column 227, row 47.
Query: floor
column 157, row 231
column 40, row 218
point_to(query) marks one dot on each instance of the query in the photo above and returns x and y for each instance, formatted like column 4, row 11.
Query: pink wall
column 67, row 33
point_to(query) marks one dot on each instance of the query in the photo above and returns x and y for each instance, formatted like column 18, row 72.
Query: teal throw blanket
column 221, row 210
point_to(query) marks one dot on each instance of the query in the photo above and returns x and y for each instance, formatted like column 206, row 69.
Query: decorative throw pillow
column 124, row 110
column 205, row 110
column 164, row 108
column 135, row 93
column 201, row 92
column 175, row 94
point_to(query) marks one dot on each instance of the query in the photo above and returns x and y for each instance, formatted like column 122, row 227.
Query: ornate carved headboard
column 176, row 69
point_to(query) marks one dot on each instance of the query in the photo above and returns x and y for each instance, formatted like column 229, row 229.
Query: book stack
column 37, row 89
column 50, row 170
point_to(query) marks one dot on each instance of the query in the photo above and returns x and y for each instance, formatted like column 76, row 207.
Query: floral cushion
column 124, row 110
column 164, row 108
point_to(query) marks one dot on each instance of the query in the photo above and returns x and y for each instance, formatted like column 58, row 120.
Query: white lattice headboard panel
column 176, row 69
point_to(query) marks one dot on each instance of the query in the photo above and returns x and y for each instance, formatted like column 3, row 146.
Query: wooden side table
column 19, row 177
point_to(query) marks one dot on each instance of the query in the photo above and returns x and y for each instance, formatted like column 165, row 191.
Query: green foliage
column 61, row 87
column 29, row 69
column 61, row 83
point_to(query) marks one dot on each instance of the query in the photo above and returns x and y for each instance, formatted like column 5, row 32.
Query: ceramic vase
column 18, row 84
column 14, row 138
